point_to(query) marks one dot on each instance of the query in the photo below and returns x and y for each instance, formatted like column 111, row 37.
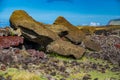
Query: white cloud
column 94, row 24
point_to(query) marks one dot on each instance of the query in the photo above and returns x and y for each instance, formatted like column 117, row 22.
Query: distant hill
column 114, row 22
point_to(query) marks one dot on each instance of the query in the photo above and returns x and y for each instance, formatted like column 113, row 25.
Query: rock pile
column 61, row 37
column 11, row 53
column 110, row 48
column 48, row 37
column 22, row 44
column 15, row 57
column 31, row 29
column 74, row 34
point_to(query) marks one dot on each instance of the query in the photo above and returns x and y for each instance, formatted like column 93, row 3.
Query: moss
column 104, row 76
column 25, row 75
column 20, row 75
column 94, row 73
column 77, row 76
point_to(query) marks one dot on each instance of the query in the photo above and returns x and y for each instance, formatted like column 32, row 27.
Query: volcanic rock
column 90, row 44
column 101, row 32
column 8, row 31
column 117, row 46
column 15, row 32
column 65, row 48
column 34, row 53
column 31, row 29
column 61, row 30
column 8, row 41
column 13, row 56
column 74, row 34
column 4, row 32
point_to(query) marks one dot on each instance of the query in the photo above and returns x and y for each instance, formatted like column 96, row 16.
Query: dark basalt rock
column 110, row 48
column 14, row 56
column 101, row 32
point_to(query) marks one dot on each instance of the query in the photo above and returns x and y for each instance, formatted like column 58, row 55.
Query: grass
column 25, row 75
column 104, row 76
column 20, row 74
column 94, row 73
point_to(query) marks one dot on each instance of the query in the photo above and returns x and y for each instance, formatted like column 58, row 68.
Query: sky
column 78, row 12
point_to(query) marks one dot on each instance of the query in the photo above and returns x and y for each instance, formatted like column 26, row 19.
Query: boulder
column 74, row 34
column 90, row 44
column 61, row 30
column 31, row 29
column 65, row 48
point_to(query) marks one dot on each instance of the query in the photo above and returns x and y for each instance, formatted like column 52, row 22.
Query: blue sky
column 78, row 12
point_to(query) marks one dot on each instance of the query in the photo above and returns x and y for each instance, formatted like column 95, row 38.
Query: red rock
column 8, row 41
column 117, row 46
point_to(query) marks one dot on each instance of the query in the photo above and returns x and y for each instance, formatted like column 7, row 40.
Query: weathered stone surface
column 61, row 30
column 15, row 32
column 74, row 34
column 31, row 29
column 8, row 41
column 91, row 44
column 65, row 48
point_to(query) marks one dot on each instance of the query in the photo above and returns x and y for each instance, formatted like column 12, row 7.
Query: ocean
column 4, row 24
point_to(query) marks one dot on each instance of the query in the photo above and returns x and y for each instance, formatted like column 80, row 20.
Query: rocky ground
column 56, row 67
column 110, row 48
column 30, row 50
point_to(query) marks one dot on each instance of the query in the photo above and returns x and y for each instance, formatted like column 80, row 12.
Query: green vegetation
column 75, row 71
column 104, row 76
column 94, row 74
column 16, row 74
